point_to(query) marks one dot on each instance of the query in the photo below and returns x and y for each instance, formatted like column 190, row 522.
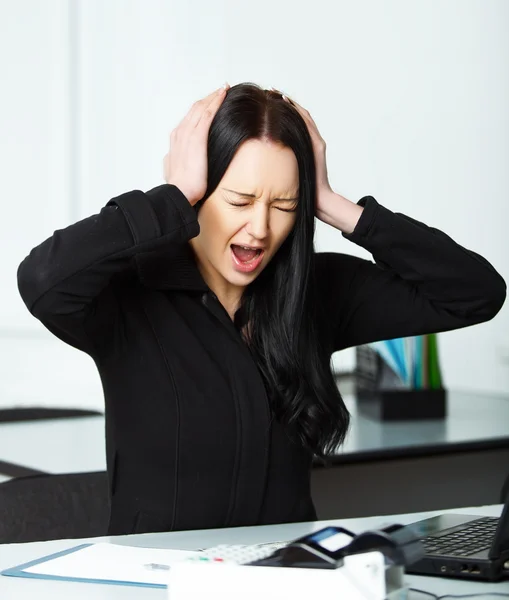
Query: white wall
column 411, row 97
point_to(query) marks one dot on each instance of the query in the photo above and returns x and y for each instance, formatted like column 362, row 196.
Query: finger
column 197, row 107
column 207, row 104
column 311, row 125
column 305, row 114
column 301, row 110
column 210, row 111
column 191, row 114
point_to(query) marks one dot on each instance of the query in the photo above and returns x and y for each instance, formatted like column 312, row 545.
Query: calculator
column 322, row 549
column 239, row 554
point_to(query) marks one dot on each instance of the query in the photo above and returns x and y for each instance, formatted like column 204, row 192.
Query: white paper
column 114, row 563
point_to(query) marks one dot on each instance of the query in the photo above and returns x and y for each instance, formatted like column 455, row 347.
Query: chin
column 241, row 279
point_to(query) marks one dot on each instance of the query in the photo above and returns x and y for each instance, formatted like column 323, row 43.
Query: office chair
column 48, row 507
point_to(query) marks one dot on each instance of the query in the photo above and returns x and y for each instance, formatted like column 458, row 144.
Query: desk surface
column 13, row 588
column 70, row 445
column 475, row 421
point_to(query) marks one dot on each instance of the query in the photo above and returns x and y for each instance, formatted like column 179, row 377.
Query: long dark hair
column 280, row 305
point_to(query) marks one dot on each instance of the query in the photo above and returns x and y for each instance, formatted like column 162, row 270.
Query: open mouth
column 246, row 259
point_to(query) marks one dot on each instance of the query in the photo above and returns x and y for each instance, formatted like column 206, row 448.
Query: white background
column 411, row 97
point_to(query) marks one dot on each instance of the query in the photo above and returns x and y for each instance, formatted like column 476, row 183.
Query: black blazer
column 190, row 440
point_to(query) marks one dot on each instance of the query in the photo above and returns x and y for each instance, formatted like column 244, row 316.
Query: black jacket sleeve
column 421, row 282
column 61, row 279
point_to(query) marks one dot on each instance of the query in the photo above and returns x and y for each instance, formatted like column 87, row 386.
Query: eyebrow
column 254, row 196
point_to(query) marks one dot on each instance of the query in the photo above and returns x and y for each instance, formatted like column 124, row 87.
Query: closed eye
column 289, row 210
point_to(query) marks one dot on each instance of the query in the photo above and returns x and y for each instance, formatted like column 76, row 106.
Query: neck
column 229, row 295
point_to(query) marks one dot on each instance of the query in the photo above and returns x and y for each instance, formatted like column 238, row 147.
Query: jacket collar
column 174, row 268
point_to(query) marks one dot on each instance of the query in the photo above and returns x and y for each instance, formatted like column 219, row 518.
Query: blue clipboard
column 19, row 571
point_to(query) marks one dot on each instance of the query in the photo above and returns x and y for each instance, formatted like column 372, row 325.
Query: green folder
column 435, row 379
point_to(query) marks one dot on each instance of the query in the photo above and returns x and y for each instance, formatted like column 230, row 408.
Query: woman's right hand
column 185, row 164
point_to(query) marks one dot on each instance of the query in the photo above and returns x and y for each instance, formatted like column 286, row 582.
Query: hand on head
column 185, row 164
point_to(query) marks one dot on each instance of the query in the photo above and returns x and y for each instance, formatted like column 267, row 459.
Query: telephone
column 327, row 548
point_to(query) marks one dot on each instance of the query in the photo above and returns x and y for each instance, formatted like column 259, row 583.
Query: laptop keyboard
column 472, row 538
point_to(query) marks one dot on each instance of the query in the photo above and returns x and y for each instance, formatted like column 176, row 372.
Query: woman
column 215, row 359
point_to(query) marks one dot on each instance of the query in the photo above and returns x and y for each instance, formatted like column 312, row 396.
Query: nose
column 258, row 225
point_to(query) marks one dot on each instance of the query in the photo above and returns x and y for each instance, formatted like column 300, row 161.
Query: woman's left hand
column 324, row 192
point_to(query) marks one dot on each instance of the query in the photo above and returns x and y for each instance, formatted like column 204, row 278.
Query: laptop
column 464, row 546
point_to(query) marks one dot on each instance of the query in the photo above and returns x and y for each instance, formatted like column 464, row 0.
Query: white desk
column 12, row 588
column 71, row 445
